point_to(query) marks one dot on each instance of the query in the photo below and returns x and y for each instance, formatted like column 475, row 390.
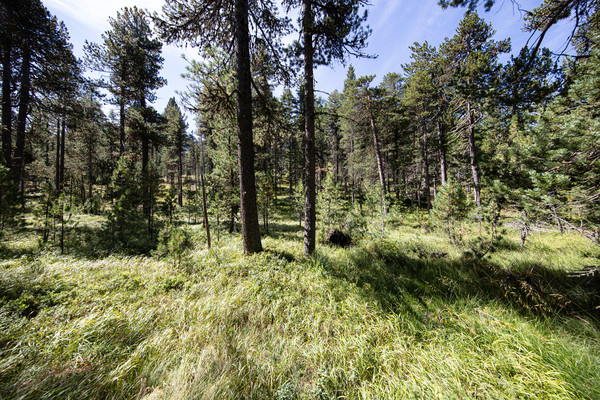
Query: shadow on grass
column 93, row 242
column 8, row 252
column 289, row 257
column 84, row 376
column 391, row 274
column 286, row 231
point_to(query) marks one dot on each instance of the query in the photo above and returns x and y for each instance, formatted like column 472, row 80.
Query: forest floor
column 406, row 315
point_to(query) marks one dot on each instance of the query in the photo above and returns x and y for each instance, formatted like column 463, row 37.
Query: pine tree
column 177, row 143
column 132, row 58
column 561, row 155
column 35, row 44
column 210, row 24
column 474, row 56
column 330, row 31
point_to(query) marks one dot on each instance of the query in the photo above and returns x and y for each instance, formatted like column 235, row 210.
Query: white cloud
column 94, row 14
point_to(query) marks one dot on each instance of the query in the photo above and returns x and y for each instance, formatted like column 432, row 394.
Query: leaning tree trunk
column 6, row 103
column 473, row 154
column 309, row 131
column 24, row 98
column 249, row 212
column 376, row 145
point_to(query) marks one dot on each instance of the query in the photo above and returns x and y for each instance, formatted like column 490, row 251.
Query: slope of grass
column 386, row 318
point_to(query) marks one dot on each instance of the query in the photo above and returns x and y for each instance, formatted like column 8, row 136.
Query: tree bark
column 180, row 169
column 122, row 123
column 205, row 210
column 204, row 207
column 426, row 170
column 473, row 154
column 62, row 155
column 57, row 163
column 376, row 145
column 336, row 155
column 442, row 143
column 6, row 103
column 146, row 203
column 249, row 213
column 24, row 98
column 291, row 166
column 309, row 131
column 90, row 167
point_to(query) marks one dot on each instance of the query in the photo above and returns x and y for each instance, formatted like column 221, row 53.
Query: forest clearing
column 428, row 233
column 409, row 315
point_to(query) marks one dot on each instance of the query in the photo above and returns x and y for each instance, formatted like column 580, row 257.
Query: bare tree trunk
column 292, row 170
column 524, row 228
column 180, row 170
column 426, row 179
column 57, row 163
column 24, row 97
column 309, row 131
column 122, row 123
column 90, row 161
column 561, row 228
column 249, row 212
column 6, row 102
column 47, row 147
column 336, row 154
column 62, row 155
column 204, row 208
column 146, row 201
column 376, row 145
column 442, row 143
column 473, row 154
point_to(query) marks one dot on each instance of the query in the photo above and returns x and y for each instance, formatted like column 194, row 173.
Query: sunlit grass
column 390, row 318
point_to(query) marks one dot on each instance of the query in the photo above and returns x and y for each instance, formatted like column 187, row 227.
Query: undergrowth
column 405, row 316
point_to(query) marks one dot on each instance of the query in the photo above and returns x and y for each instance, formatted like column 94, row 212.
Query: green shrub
column 450, row 209
column 174, row 241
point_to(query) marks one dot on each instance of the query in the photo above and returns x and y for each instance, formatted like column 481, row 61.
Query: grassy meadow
column 406, row 315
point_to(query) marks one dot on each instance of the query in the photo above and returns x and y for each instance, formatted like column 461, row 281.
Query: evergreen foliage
column 451, row 209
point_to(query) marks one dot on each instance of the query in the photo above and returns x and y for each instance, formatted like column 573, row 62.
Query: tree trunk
column 90, row 162
column 249, row 213
column 24, row 97
column 57, row 163
column 292, row 169
column 336, row 155
column 145, row 161
column 559, row 223
column 204, row 208
column 376, row 145
column 62, row 155
column 426, row 171
column 442, row 143
column 6, row 103
column 309, row 131
column 180, row 171
column 122, row 123
column 473, row 154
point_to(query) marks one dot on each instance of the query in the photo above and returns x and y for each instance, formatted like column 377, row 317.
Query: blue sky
column 396, row 24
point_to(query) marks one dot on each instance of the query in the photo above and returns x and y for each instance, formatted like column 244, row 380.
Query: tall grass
column 387, row 318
